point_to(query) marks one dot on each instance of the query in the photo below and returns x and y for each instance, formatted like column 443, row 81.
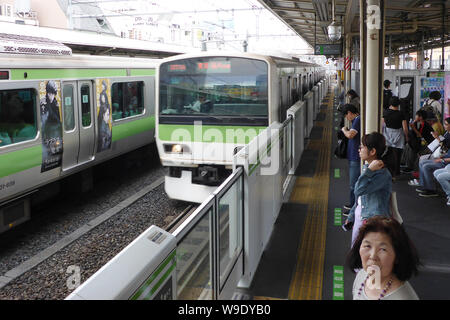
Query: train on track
column 62, row 114
column 209, row 105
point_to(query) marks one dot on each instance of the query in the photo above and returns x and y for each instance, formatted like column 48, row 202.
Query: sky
column 249, row 21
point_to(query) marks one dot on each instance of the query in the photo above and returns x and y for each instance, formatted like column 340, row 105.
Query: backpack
column 430, row 110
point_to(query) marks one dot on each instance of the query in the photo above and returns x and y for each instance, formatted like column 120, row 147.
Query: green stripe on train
column 142, row 72
column 21, row 160
column 131, row 128
column 33, row 74
column 227, row 134
column 17, row 161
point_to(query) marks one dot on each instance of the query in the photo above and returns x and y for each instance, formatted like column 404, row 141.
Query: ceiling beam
column 416, row 10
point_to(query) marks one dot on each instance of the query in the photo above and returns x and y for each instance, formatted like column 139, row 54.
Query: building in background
column 59, row 14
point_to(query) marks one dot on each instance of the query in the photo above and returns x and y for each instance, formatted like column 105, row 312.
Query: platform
column 305, row 257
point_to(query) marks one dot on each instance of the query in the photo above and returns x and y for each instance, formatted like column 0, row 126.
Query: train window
column 69, row 117
column 86, row 117
column 127, row 99
column 215, row 90
column 17, row 116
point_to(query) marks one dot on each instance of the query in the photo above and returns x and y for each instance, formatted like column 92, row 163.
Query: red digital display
column 4, row 75
column 177, row 67
column 214, row 66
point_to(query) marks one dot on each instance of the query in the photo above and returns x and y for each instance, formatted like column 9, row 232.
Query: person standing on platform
column 387, row 94
column 373, row 188
column 354, row 99
column 351, row 114
column 395, row 130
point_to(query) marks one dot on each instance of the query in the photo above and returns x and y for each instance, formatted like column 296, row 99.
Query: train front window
column 17, row 116
column 215, row 90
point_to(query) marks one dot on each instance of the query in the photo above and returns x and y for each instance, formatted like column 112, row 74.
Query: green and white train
column 209, row 105
column 62, row 114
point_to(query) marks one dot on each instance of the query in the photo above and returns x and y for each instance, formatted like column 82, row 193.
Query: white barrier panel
column 320, row 86
column 266, row 168
column 309, row 114
column 297, row 111
column 316, row 101
column 144, row 270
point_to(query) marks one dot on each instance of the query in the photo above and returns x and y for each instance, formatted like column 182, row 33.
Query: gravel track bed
column 114, row 181
column 48, row 280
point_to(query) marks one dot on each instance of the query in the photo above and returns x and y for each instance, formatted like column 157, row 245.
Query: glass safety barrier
column 210, row 242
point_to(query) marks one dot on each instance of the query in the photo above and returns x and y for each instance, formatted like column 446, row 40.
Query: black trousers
column 397, row 152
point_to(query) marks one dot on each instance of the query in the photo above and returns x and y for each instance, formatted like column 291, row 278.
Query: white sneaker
column 413, row 182
column 448, row 200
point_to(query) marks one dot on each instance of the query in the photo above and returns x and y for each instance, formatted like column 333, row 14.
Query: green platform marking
column 338, row 282
column 337, row 216
column 337, row 173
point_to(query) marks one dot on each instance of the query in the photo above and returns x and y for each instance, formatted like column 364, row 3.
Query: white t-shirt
column 404, row 292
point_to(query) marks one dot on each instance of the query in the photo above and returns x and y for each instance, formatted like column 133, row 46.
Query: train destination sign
column 328, row 49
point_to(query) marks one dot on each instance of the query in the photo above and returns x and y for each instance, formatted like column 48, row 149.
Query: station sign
column 328, row 49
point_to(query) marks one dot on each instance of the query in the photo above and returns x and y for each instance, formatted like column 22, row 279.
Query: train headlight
column 176, row 148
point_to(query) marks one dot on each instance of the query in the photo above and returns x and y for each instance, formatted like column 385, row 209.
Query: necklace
column 382, row 294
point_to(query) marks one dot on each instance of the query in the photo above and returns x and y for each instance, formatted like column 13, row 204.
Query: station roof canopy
column 90, row 42
column 408, row 22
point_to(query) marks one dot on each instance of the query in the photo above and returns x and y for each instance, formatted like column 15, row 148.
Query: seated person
column 24, row 133
column 202, row 104
column 419, row 136
column 443, row 177
column 427, row 187
column 116, row 114
column 4, row 138
column 444, row 144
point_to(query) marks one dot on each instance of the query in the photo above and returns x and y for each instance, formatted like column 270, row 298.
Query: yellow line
column 307, row 280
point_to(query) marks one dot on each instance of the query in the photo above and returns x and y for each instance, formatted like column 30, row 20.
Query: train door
column 79, row 127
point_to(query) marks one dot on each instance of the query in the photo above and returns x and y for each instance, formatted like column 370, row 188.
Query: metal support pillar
column 348, row 44
column 397, row 62
column 375, row 62
column 363, row 59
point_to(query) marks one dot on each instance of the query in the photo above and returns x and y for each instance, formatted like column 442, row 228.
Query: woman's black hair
column 352, row 93
column 377, row 141
column 435, row 95
column 422, row 113
column 406, row 258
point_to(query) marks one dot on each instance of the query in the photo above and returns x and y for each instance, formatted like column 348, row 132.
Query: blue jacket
column 375, row 188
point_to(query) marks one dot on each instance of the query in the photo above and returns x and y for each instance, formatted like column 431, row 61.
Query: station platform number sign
column 328, row 49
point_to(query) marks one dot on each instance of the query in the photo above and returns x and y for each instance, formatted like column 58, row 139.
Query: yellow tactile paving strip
column 307, row 280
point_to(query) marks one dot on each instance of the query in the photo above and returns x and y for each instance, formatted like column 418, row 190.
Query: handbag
column 394, row 208
column 341, row 148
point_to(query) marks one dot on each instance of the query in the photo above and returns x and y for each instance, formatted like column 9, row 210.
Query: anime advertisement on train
column 51, row 124
column 104, row 115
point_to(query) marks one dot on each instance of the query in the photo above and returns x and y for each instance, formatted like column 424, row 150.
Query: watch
column 443, row 161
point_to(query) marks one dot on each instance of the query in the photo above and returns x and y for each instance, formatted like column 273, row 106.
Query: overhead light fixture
column 334, row 29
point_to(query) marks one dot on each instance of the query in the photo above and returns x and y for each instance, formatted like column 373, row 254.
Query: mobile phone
column 348, row 226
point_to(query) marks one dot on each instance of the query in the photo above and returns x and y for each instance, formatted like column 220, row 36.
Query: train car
column 211, row 104
column 62, row 114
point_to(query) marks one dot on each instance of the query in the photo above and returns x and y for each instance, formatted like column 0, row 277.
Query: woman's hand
column 376, row 165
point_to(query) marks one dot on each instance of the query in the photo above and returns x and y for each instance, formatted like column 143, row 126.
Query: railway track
column 54, row 270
